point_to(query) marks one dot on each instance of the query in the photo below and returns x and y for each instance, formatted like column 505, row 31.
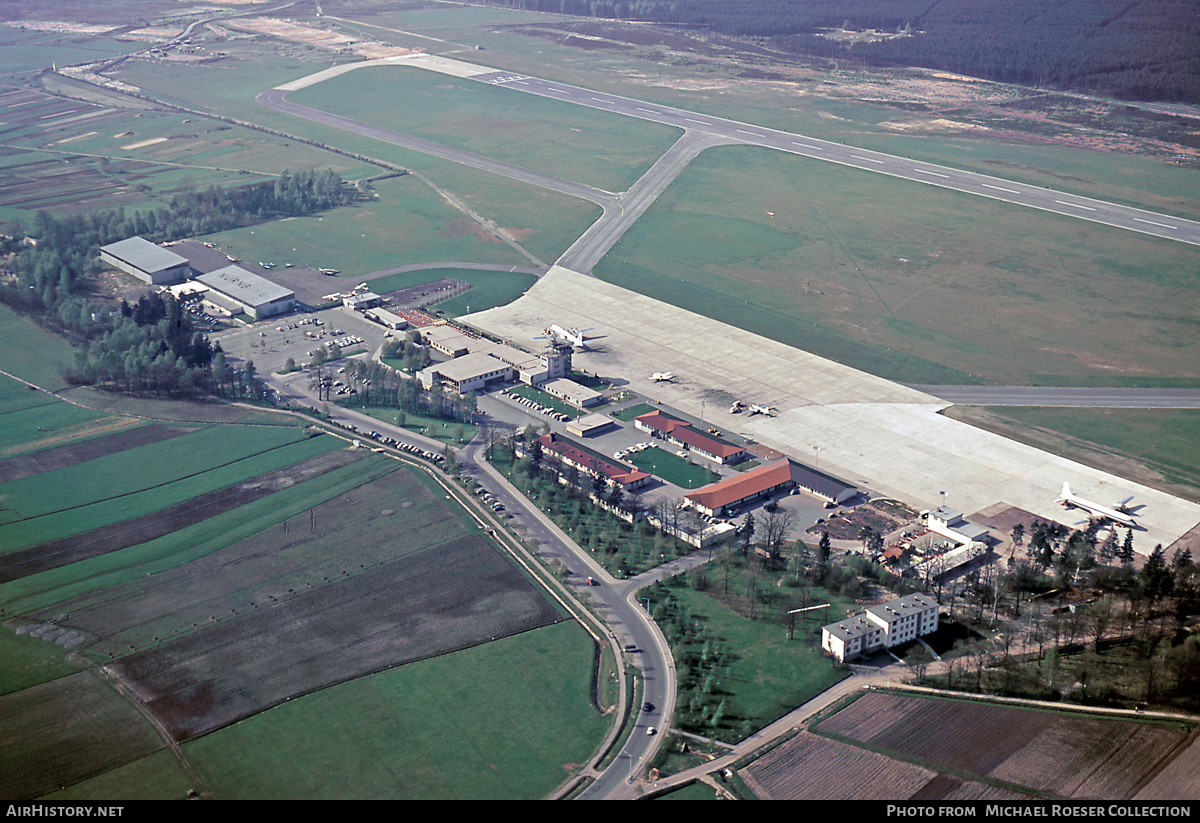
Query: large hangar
column 255, row 295
column 146, row 261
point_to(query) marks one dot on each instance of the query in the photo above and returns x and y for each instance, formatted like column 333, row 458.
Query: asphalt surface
column 1054, row 396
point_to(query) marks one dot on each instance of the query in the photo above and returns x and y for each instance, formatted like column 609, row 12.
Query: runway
column 1065, row 397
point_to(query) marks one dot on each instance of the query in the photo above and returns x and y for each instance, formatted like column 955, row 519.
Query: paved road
column 1113, row 398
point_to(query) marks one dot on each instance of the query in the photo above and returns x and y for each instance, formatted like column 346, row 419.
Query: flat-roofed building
column 452, row 341
column 589, row 424
column 361, row 301
column 949, row 523
column 577, row 394
column 256, row 296
column 146, row 261
column 776, row 477
column 881, row 627
column 471, row 372
column 386, row 318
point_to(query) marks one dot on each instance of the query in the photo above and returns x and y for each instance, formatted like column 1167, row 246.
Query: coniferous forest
column 1131, row 49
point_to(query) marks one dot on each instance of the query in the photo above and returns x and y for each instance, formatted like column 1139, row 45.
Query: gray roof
column 143, row 254
column 244, row 286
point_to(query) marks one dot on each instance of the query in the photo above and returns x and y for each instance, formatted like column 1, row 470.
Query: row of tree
column 1142, row 49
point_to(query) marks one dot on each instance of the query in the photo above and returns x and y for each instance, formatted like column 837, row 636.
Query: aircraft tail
column 1066, row 492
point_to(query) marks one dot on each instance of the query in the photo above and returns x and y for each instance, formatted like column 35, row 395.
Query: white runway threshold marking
column 1153, row 223
column 1073, row 205
column 1000, row 188
column 868, row 159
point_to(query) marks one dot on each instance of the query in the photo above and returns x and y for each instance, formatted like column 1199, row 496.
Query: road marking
column 1000, row 188
column 1152, row 223
column 868, row 159
column 806, row 146
column 701, row 122
column 649, row 111
column 1073, row 205
column 934, row 173
column 558, row 91
column 751, row 133
column 602, row 100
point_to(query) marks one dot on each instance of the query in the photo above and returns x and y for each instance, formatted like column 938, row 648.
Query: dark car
column 647, row 707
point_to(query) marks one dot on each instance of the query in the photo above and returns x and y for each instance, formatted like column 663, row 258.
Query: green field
column 488, row 288
column 672, row 468
column 911, row 282
column 604, row 150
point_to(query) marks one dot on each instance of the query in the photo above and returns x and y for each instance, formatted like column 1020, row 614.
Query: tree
column 747, row 532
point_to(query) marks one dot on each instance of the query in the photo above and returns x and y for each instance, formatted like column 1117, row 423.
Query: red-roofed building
column 681, row 433
column 778, row 476
column 592, row 462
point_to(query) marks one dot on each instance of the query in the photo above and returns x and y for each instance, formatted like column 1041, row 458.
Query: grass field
column 488, row 288
column 33, row 353
column 911, row 282
column 672, row 468
column 604, row 150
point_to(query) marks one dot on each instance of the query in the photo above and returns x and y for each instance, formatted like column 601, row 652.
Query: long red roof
column 682, row 431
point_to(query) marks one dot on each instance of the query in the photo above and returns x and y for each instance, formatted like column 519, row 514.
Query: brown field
column 1041, row 752
column 43, row 747
column 809, row 767
column 459, row 595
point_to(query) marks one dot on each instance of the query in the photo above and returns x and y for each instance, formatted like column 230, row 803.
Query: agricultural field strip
column 174, row 461
column 56, row 553
column 32, row 530
column 1146, row 222
column 1069, row 750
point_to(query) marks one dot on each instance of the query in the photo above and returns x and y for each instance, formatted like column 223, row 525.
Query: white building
column 949, row 523
column 881, row 627
column 146, row 261
column 250, row 293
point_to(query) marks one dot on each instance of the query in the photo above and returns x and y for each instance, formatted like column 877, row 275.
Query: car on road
column 647, row 707
column 651, row 730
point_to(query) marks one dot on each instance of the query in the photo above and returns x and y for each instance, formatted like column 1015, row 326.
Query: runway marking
column 868, row 159
column 701, row 122
column 1152, row 223
column 648, row 111
column 602, row 100
column 1073, row 205
column 934, row 173
column 751, row 133
column 558, row 91
column 806, row 146
column 1000, row 188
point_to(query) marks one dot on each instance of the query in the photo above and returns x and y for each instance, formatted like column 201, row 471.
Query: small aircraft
column 737, row 407
column 1117, row 513
column 662, row 377
column 762, row 409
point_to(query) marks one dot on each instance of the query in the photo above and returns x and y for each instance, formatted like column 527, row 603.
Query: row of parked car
column 488, row 498
column 393, row 442
column 535, row 406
